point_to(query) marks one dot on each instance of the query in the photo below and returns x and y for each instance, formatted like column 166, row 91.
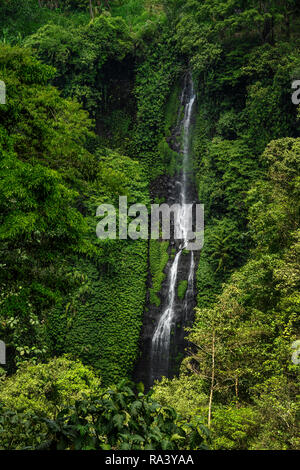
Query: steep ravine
column 162, row 341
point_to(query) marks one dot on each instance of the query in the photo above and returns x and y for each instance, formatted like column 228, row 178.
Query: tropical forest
column 120, row 330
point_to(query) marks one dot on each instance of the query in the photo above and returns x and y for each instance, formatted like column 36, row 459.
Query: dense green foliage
column 43, row 388
column 158, row 258
column 93, row 94
column 117, row 418
column 86, row 59
column 182, row 287
column 52, row 179
column 239, row 370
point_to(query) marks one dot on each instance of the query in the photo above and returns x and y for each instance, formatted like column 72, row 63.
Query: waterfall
column 160, row 345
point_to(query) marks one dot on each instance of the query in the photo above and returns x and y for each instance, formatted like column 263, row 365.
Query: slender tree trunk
column 91, row 9
column 236, row 386
column 287, row 27
column 272, row 36
column 212, row 381
column 287, row 20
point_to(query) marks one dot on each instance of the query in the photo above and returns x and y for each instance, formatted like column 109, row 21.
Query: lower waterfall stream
column 166, row 329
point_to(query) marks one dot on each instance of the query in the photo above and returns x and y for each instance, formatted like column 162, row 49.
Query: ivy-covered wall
column 158, row 258
column 106, row 327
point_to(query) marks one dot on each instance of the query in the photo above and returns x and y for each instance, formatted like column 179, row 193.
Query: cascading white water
column 161, row 339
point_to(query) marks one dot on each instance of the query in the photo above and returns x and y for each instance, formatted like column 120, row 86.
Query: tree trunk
column 236, row 386
column 268, row 31
column 287, row 27
column 91, row 9
column 212, row 381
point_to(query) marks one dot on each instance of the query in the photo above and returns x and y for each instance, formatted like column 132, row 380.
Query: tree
column 41, row 228
column 83, row 56
column 38, row 392
column 46, row 388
